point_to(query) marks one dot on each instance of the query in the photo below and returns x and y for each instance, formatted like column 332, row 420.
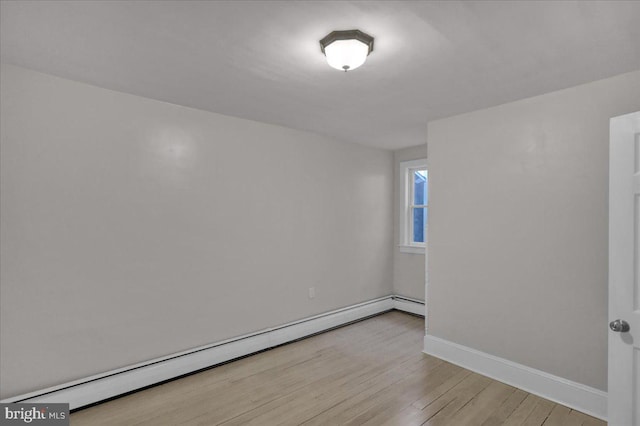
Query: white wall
column 133, row 228
column 518, row 228
column 408, row 268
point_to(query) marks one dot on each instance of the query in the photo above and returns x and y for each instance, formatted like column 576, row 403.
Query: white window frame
column 406, row 190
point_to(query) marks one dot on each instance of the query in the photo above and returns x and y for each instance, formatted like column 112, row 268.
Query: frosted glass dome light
column 346, row 50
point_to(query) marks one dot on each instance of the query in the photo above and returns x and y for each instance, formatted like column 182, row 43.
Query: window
column 414, row 209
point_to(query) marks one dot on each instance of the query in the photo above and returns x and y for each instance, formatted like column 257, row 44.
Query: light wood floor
column 371, row 372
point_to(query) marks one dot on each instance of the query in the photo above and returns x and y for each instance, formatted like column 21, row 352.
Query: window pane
column 419, row 224
column 420, row 196
column 420, row 216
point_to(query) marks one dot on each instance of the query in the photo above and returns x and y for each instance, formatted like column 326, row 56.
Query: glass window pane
column 420, row 215
column 420, row 195
column 418, row 225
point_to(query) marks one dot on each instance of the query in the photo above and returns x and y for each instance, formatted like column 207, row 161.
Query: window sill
column 412, row 249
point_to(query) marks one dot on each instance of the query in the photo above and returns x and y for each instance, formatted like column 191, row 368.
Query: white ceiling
column 261, row 60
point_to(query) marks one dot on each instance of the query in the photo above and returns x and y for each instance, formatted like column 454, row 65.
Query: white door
column 624, row 271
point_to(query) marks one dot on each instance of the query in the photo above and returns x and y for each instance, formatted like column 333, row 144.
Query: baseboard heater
column 116, row 383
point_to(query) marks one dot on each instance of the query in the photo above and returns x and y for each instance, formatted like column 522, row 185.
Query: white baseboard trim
column 113, row 383
column 566, row 392
column 407, row 304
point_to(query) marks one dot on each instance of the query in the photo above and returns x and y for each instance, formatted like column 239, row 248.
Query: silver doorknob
column 620, row 326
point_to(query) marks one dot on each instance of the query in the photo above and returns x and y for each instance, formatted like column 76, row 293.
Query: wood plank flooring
column 369, row 373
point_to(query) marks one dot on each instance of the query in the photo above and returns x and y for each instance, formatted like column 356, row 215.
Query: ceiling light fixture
column 346, row 50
